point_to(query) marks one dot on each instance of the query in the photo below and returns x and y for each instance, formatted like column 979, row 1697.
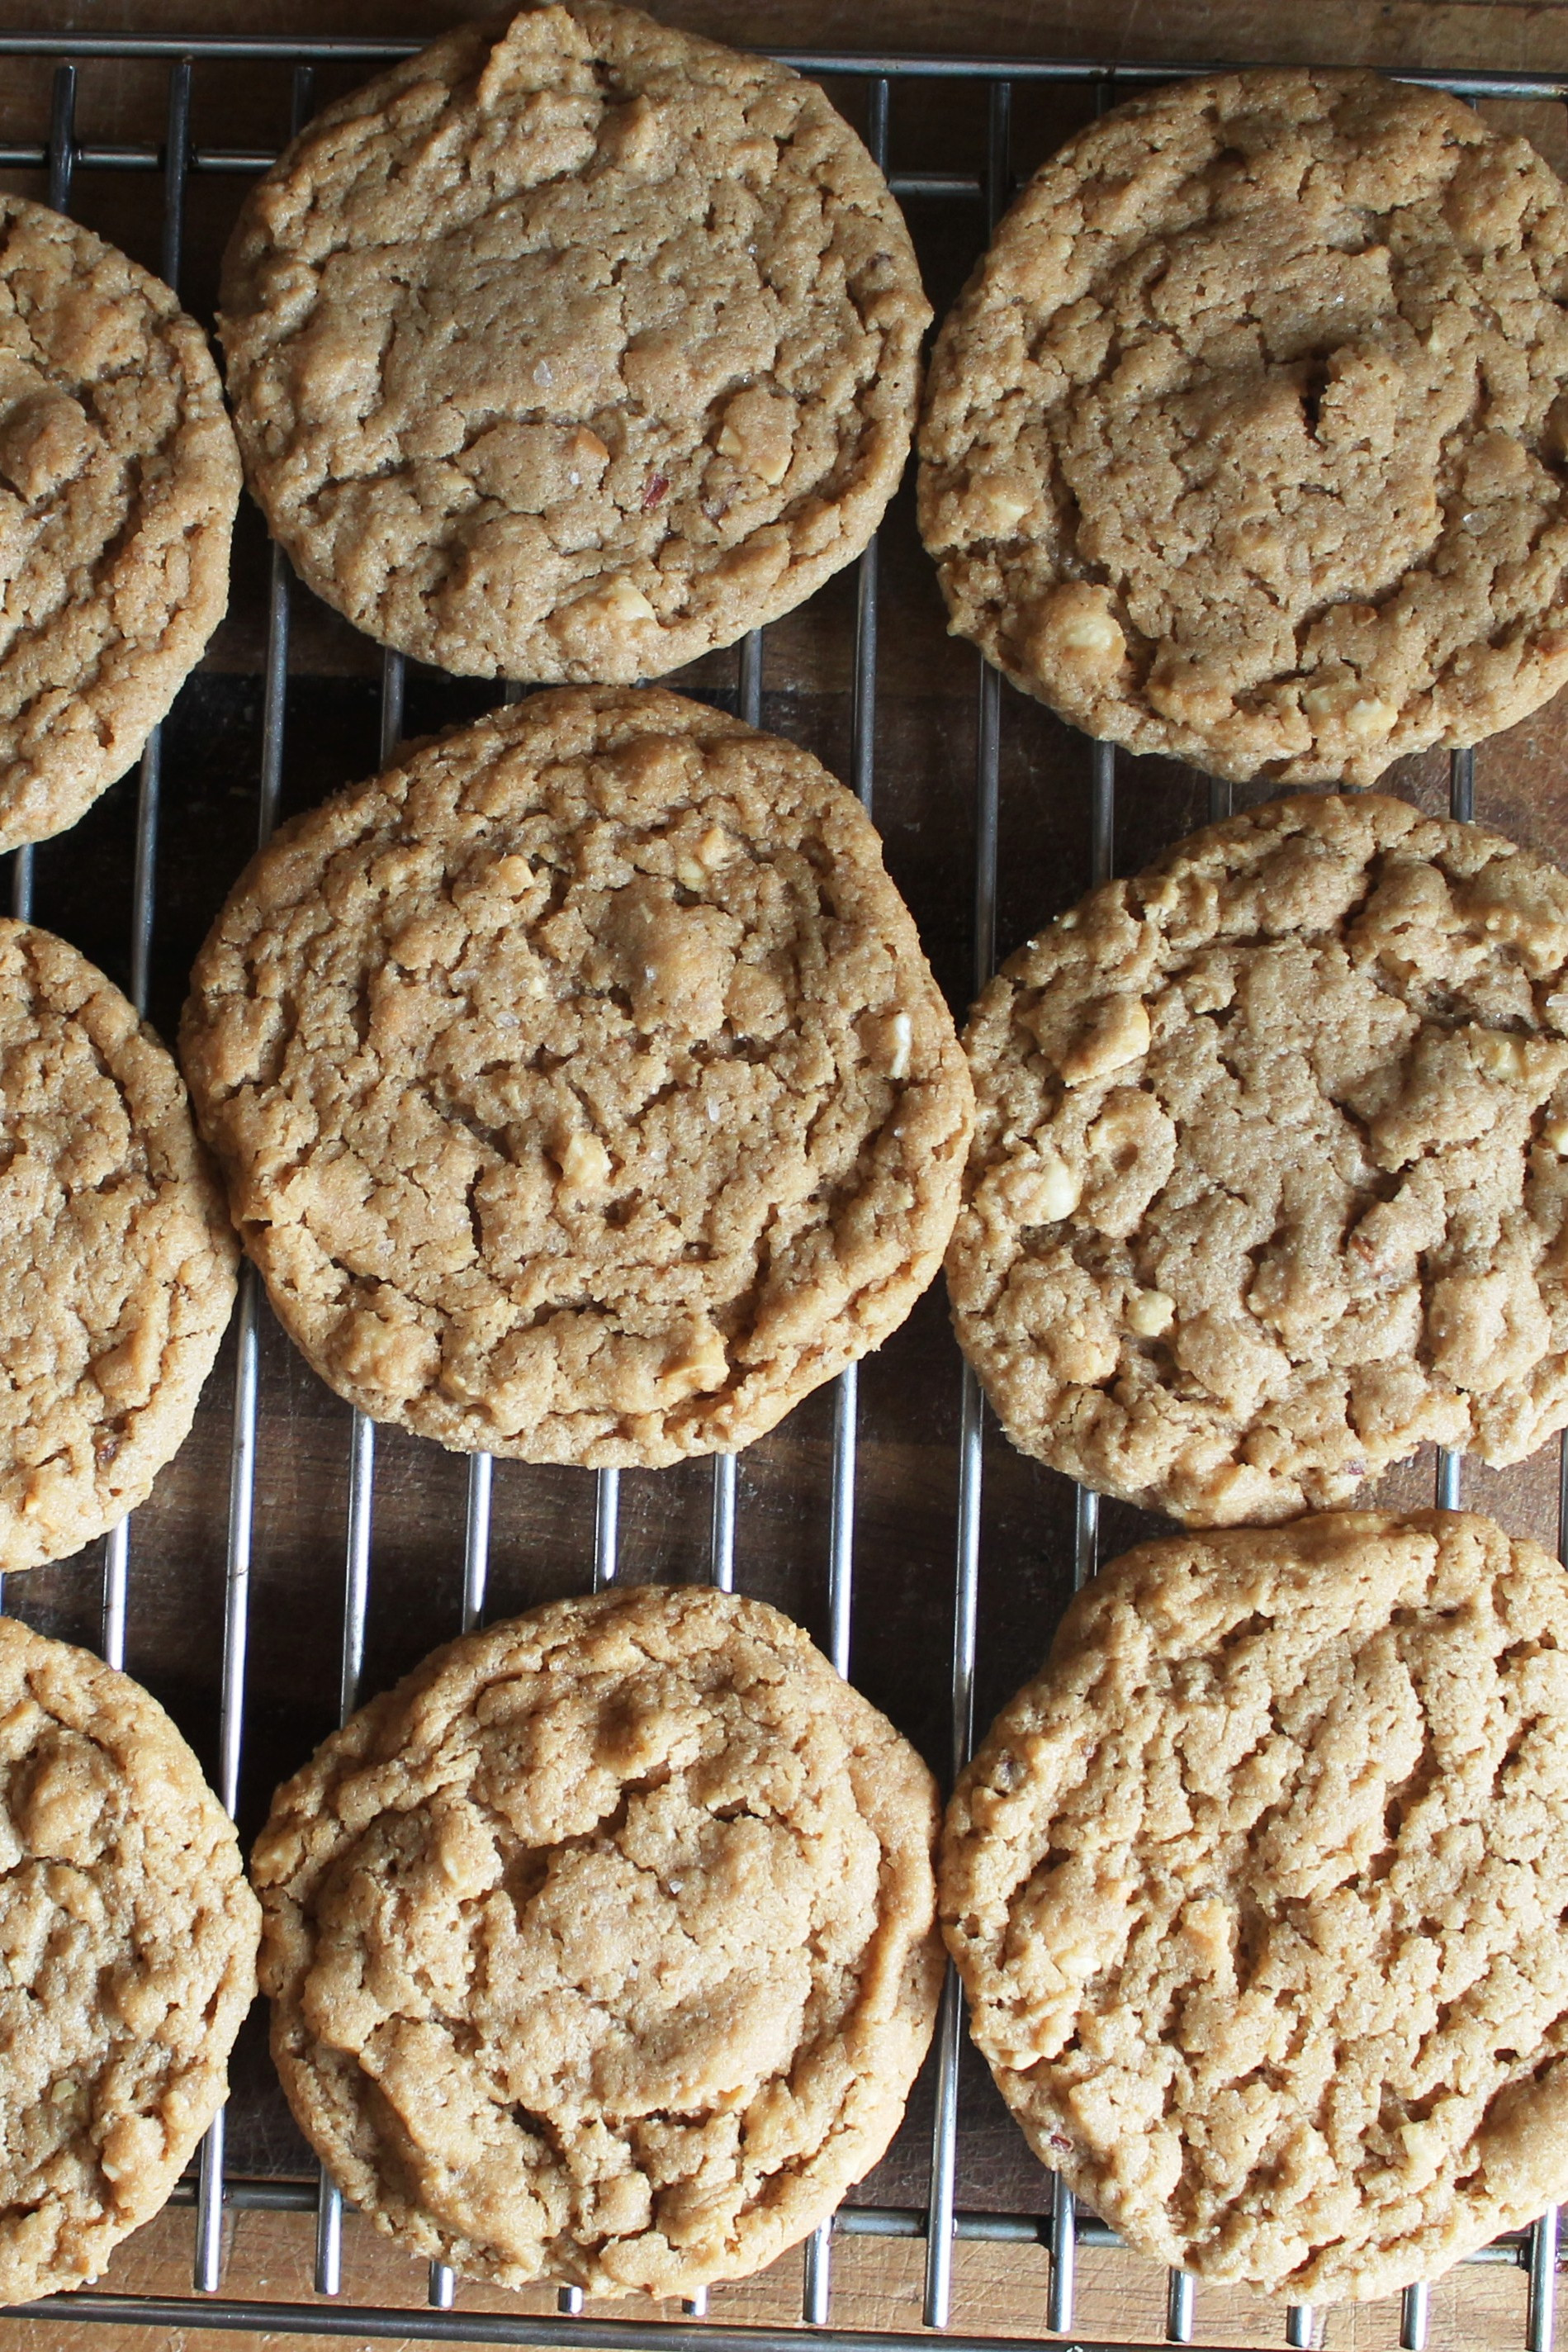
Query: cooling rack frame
column 940, row 2223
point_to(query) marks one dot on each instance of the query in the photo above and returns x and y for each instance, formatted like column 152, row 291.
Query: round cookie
column 1269, row 1172
column 119, row 481
column 117, row 1259
column 128, row 1936
column 582, row 1090
column 573, row 347
column 1245, row 444
column 1256, row 1895
column 601, row 1949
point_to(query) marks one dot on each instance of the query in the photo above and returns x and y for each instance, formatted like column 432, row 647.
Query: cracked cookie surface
column 573, row 347
column 581, row 1087
column 117, row 1259
column 127, row 1959
column 1245, row 442
column 1270, row 1163
column 118, row 480
column 1257, row 1895
column 601, row 1949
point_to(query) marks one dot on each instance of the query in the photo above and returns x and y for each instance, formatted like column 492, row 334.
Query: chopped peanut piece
column 759, row 433
column 1079, row 631
column 1150, row 1313
column 619, row 600
column 584, row 1165
column 1366, row 717
column 1116, row 1033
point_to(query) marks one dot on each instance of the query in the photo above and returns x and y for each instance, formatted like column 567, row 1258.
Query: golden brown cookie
column 573, row 347
column 118, row 480
column 601, row 1949
column 582, row 1090
column 1270, row 1163
column 1258, row 1892
column 127, row 1960
column 1245, row 442
column 117, row 1259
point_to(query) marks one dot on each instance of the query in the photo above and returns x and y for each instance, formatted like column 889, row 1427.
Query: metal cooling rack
column 940, row 2223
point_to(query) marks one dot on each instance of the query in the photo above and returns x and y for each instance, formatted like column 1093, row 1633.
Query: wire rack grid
column 941, row 2222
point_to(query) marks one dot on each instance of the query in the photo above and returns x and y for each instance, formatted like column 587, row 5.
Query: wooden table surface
column 907, row 1481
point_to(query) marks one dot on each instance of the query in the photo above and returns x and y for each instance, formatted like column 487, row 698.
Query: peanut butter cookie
column 127, row 1960
column 117, row 1259
column 573, row 347
column 1246, row 441
column 601, row 1949
column 1271, row 1167
column 118, row 480
column 582, row 1090
column 1258, row 1892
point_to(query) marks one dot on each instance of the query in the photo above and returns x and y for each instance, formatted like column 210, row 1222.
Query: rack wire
column 940, row 2223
